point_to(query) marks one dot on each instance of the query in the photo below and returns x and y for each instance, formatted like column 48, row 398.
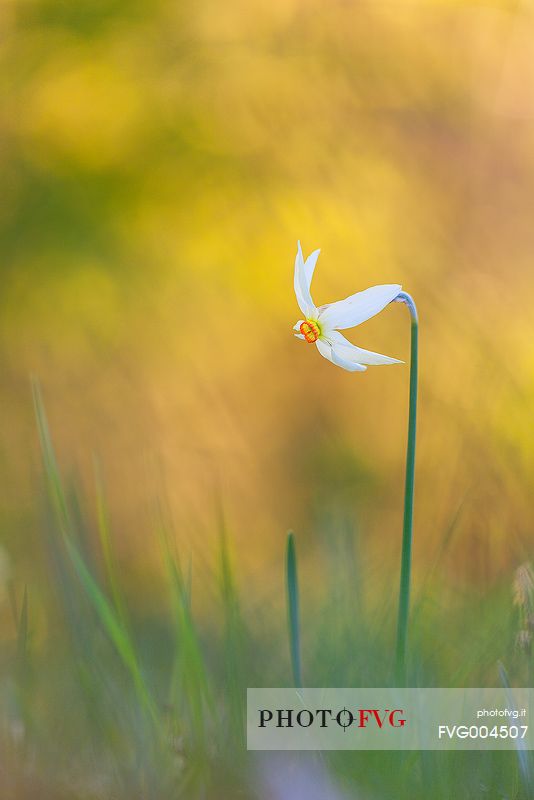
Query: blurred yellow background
column 160, row 161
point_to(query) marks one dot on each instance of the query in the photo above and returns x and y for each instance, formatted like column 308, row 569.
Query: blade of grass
column 113, row 627
column 22, row 632
column 111, row 623
column 106, row 544
column 293, row 608
column 523, row 756
column 233, row 641
column 189, row 684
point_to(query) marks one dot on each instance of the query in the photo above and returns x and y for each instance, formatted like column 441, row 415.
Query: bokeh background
column 160, row 160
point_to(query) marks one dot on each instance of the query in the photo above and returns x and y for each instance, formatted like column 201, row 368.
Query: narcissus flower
column 321, row 325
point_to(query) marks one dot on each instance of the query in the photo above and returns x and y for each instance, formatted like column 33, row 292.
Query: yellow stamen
column 310, row 330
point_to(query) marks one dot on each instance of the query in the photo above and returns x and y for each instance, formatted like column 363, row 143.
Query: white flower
column 321, row 325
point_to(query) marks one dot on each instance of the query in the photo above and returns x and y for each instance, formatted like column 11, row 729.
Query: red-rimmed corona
column 310, row 330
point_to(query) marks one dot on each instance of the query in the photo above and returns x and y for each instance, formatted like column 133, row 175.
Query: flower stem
column 407, row 528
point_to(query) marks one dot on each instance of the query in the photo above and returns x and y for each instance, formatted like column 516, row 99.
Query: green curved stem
column 407, row 528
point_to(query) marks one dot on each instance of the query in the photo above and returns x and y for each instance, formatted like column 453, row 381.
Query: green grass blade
column 293, row 608
column 106, row 614
column 104, row 532
column 22, row 631
column 234, row 655
column 189, row 686
column 524, row 757
column 113, row 628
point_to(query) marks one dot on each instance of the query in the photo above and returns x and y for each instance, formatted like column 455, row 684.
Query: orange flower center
column 310, row 330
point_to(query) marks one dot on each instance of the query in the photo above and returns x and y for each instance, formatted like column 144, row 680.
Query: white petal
column 299, row 335
column 303, row 278
column 296, row 327
column 309, row 265
column 350, row 352
column 358, row 307
column 329, row 351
